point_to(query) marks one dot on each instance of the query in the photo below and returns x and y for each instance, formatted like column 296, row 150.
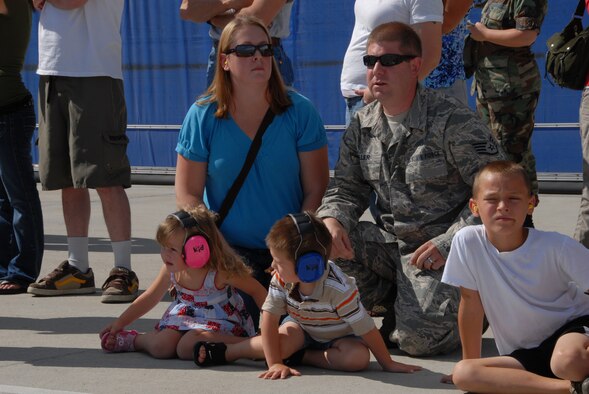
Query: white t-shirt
column 371, row 13
column 83, row 42
column 528, row 293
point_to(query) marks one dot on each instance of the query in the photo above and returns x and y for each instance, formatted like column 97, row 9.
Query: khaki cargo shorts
column 82, row 133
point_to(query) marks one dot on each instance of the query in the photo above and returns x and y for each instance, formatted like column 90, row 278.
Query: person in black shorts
column 532, row 286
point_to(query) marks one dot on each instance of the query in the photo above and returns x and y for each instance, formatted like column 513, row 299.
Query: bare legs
column 346, row 354
column 115, row 208
column 503, row 375
column 570, row 359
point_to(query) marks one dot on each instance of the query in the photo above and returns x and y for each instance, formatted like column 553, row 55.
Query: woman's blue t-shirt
column 273, row 187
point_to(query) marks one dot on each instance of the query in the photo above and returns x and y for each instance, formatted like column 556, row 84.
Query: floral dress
column 451, row 65
column 208, row 309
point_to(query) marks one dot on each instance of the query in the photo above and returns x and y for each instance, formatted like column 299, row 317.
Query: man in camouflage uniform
column 507, row 78
column 415, row 151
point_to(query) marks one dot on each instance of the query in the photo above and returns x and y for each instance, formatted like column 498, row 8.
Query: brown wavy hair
column 223, row 257
column 221, row 89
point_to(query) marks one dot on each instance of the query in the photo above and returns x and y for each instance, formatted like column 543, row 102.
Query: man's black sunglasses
column 386, row 60
column 248, row 50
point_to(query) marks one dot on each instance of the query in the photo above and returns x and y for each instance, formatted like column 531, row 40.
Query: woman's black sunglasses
column 386, row 60
column 248, row 50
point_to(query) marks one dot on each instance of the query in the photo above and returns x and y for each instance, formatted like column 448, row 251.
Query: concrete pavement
column 50, row 345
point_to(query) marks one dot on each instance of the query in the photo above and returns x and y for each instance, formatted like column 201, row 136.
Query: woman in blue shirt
column 290, row 173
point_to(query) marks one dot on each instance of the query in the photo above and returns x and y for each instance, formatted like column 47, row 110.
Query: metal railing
column 570, row 183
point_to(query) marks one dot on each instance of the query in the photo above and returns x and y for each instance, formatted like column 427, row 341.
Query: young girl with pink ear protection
column 205, row 273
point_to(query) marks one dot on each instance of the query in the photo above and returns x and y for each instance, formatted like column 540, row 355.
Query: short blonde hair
column 505, row 168
column 221, row 89
column 223, row 257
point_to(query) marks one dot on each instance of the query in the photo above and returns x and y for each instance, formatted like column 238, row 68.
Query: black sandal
column 16, row 288
column 215, row 354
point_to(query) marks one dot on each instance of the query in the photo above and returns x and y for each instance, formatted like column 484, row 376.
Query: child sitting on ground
column 326, row 327
column 205, row 273
column 529, row 283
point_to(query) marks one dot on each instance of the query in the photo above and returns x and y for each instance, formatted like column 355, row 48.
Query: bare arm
column 143, row 304
column 314, row 177
column 38, row 4
column 454, row 12
column 271, row 345
column 251, row 287
column 470, row 326
column 470, row 323
column 67, row 4
column 509, row 38
column 204, row 10
column 266, row 10
column 190, row 182
column 376, row 345
column 430, row 34
column 3, row 8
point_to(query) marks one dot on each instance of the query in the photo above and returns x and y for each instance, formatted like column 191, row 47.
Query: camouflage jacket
column 505, row 71
column 422, row 180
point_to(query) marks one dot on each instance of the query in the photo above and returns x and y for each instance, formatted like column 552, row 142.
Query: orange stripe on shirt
column 347, row 300
column 300, row 317
column 280, row 281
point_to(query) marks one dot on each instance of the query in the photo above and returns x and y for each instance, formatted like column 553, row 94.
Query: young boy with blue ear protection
column 326, row 326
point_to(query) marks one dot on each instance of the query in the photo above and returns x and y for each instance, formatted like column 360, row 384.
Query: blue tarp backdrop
column 165, row 59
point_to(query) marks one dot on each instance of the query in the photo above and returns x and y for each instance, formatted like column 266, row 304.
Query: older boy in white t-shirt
column 529, row 283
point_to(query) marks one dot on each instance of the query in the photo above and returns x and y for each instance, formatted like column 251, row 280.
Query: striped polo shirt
column 332, row 311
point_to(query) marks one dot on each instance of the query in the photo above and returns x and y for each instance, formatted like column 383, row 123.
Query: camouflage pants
column 426, row 310
column 512, row 123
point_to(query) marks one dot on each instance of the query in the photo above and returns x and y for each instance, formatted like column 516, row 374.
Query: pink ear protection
column 196, row 251
column 196, row 247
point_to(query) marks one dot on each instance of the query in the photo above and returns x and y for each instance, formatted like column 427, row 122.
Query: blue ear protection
column 309, row 265
column 196, row 251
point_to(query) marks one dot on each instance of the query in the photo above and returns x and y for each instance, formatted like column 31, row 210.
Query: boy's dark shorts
column 311, row 343
column 537, row 360
column 82, row 133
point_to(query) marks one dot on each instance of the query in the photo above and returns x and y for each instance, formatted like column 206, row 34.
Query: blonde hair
column 221, row 89
column 284, row 237
column 223, row 257
column 503, row 168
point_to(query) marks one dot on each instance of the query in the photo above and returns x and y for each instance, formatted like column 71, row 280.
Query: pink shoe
column 124, row 341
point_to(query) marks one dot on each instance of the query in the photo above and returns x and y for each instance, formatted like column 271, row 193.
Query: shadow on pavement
column 138, row 245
